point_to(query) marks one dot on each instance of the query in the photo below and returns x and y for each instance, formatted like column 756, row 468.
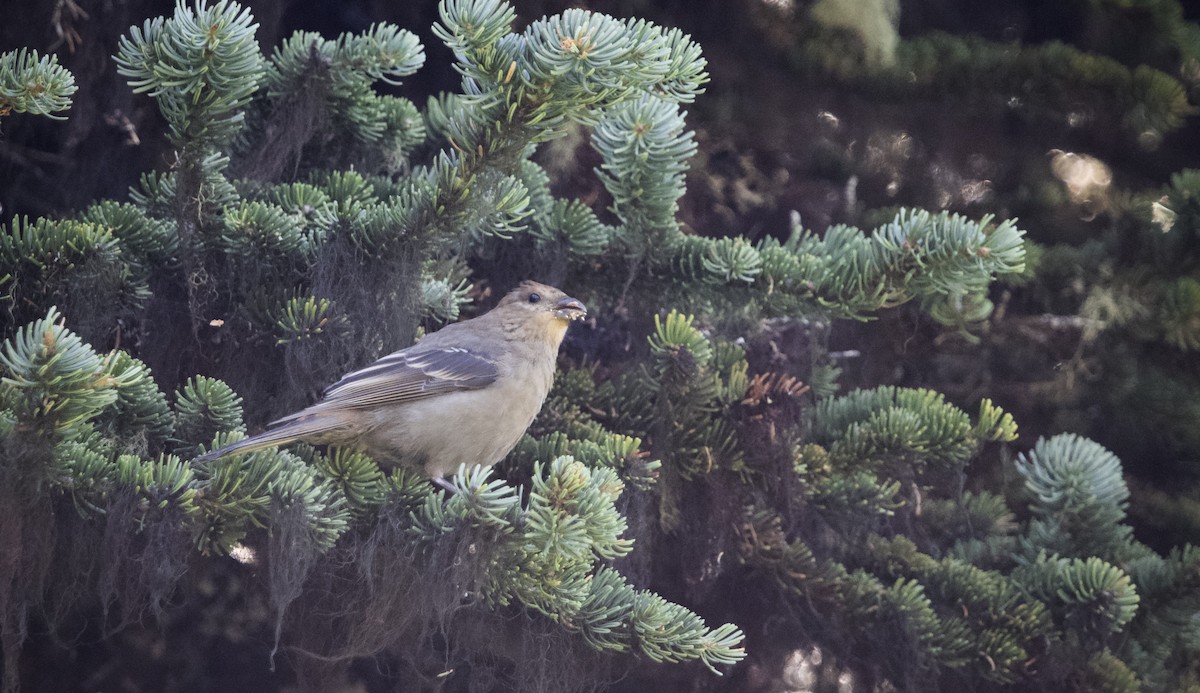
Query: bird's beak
column 570, row 309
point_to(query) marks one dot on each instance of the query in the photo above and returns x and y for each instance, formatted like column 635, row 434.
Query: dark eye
column 534, row 298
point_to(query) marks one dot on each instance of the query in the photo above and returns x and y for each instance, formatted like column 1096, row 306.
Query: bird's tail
column 296, row 429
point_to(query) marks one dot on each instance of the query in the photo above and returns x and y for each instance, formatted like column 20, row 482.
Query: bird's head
column 542, row 310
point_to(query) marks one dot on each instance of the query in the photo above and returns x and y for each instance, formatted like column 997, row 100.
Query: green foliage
column 292, row 261
column 442, row 299
column 689, row 397
column 84, row 468
column 1134, row 289
column 77, row 264
column 310, row 224
column 204, row 407
column 30, row 83
column 255, row 228
column 1047, row 80
column 158, row 192
column 235, row 495
column 201, row 65
column 544, row 553
column 601, row 448
column 1094, row 598
column 872, row 427
column 297, row 488
column 1165, row 624
column 726, row 261
column 1106, row 672
column 301, row 318
column 645, row 152
column 53, row 381
column 159, row 483
column 944, row 260
column 946, row 613
column 995, row 424
column 929, row 571
column 1179, row 314
column 339, row 75
column 144, row 237
column 570, row 65
column 357, row 476
column 572, row 225
column 140, row 417
column 1079, row 497
column 1150, row 100
column 956, row 521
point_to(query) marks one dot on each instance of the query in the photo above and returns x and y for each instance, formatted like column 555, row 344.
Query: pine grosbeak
column 464, row 394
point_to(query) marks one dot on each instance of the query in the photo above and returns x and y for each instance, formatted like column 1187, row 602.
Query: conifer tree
column 696, row 463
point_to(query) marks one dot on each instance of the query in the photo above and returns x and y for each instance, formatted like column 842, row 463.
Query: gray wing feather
column 405, row 376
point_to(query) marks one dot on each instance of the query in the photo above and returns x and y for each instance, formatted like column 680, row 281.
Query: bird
column 463, row 395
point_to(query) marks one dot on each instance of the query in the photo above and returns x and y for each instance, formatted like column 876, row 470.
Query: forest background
column 1077, row 119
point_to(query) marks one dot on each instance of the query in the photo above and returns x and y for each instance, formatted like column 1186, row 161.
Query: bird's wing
column 404, row 376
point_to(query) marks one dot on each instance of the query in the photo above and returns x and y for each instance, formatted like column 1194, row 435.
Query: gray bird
column 462, row 395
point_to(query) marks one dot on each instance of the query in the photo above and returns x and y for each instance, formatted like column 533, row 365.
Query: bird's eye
column 534, row 298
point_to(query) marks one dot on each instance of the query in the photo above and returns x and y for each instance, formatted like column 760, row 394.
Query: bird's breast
column 471, row 427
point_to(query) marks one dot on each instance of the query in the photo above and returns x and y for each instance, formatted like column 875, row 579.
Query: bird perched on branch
column 462, row 395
